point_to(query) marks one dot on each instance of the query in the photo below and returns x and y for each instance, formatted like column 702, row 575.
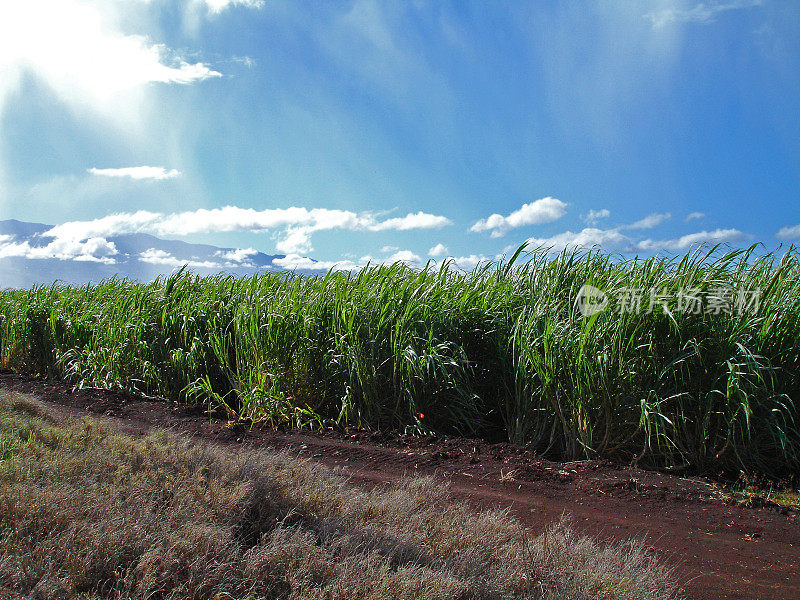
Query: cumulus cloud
column 154, row 256
column 298, row 237
column 593, row 216
column 302, row 263
column 241, row 256
column 406, row 257
column 789, row 233
column 419, row 220
column 467, row 263
column 718, row 236
column 296, row 262
column 650, row 221
column 295, row 240
column 540, row 211
column 93, row 249
column 137, row 172
column 138, row 222
column 403, row 256
column 613, row 240
column 699, row 13
column 294, row 225
column 607, row 239
column 693, row 216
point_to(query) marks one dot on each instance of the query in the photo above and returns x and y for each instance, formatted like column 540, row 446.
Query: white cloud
column 593, row 216
column 789, row 233
column 419, row 220
column 303, row 263
column 718, row 236
column 403, row 256
column 699, row 13
column 295, row 240
column 161, row 257
column 540, row 211
column 607, row 239
column 299, row 222
column 693, row 216
column 239, row 255
column 81, row 53
column 247, row 61
column 137, row 172
column 407, row 257
column 217, row 6
column 77, row 48
column 100, row 58
column 93, row 249
column 115, row 224
column 295, row 225
column 612, row 240
column 296, row 262
column 467, row 263
column 438, row 250
column 649, row 221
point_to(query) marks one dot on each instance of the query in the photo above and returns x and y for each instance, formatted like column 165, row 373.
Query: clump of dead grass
column 89, row 513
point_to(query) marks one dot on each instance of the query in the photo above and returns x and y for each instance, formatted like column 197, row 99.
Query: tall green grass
column 501, row 352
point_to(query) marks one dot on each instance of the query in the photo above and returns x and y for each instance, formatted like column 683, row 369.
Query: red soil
column 717, row 550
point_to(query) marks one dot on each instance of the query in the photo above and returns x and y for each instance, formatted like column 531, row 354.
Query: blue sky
column 367, row 130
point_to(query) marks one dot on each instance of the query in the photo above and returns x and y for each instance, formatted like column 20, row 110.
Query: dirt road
column 718, row 550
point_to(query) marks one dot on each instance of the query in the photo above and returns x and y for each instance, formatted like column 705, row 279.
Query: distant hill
column 25, row 258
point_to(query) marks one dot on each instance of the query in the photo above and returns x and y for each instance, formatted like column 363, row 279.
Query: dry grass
column 89, row 513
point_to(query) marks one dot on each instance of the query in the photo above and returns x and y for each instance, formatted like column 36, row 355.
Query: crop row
column 692, row 361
